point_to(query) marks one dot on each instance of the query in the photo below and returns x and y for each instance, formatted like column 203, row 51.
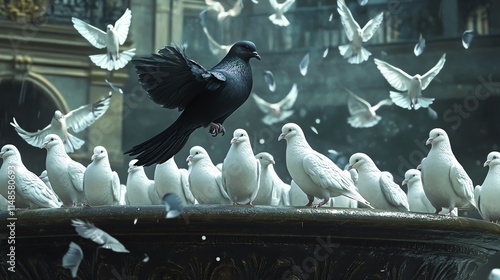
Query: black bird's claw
column 216, row 129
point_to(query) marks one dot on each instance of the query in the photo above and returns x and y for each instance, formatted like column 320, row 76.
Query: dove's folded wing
column 350, row 25
column 427, row 77
column 324, row 173
column 116, row 187
column 82, row 117
column 184, row 177
column 122, row 26
column 393, row 193
column 35, row 139
column 75, row 172
column 461, row 182
column 94, row 35
column 372, row 26
column 395, row 76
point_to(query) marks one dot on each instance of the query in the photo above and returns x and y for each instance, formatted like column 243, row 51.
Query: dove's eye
column 102, row 152
column 196, row 153
column 52, row 139
column 241, row 135
column 289, row 130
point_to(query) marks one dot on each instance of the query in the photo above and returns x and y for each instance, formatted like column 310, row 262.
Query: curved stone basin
column 253, row 242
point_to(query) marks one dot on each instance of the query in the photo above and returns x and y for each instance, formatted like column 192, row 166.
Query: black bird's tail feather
column 163, row 146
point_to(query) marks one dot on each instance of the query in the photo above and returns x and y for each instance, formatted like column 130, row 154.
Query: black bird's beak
column 256, row 55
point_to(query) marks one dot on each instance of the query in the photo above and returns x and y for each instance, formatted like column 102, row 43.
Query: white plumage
column 272, row 190
column 362, row 113
column 169, row 178
column 487, row 195
column 140, row 189
column 278, row 18
column 279, row 111
column 101, row 184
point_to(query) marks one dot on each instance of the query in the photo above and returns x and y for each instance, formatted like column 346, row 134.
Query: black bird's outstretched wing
column 173, row 80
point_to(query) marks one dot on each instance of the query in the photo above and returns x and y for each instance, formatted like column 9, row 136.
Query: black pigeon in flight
column 205, row 97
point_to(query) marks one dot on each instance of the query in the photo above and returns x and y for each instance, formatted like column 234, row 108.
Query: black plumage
column 205, row 97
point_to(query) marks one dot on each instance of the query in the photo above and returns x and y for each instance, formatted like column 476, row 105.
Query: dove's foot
column 249, row 203
column 216, row 129
column 325, row 201
column 438, row 210
column 310, row 203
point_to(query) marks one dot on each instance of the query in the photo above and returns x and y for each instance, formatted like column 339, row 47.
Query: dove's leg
column 438, row 209
column 311, row 199
column 249, row 203
column 325, row 201
column 216, row 128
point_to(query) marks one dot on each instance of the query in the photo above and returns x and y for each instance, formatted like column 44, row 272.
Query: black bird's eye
column 357, row 160
column 196, row 153
column 289, row 130
column 246, row 47
column 102, row 152
column 241, row 135
column 52, row 139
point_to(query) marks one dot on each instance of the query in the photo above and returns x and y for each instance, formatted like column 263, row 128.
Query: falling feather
column 420, row 46
column 173, row 205
column 269, row 79
column 331, row 17
column 304, row 64
column 146, row 258
column 432, row 113
column 362, row 2
column 72, row 258
column 325, row 53
column 467, row 38
column 314, row 129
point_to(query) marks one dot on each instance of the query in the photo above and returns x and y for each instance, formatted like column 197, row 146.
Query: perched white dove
column 272, row 190
column 112, row 39
column 412, row 86
column 487, row 195
column 29, row 187
column 65, row 174
column 299, row 198
column 278, row 18
column 222, row 14
column 362, row 113
column 205, row 180
column 241, row 170
column 277, row 112
column 88, row 230
column 354, row 52
column 313, row 172
column 216, row 48
column 101, row 184
column 140, row 189
column 416, row 196
column 78, row 120
column 45, row 178
column 494, row 274
column 376, row 185
column 446, row 184
column 169, row 178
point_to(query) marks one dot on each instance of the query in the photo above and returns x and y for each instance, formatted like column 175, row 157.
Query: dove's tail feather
column 401, row 99
column 363, row 121
column 111, row 63
column 163, row 146
column 353, row 56
column 73, row 143
column 423, row 102
column 359, row 198
column 279, row 20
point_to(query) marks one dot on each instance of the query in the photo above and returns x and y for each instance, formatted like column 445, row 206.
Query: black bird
column 205, row 97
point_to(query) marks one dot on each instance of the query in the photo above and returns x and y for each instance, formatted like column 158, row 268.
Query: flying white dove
column 278, row 18
column 362, row 113
column 89, row 231
column 412, row 86
column 216, row 48
column 78, row 120
column 354, row 52
column 111, row 40
column 241, row 170
column 272, row 191
column 221, row 11
column 169, row 178
column 71, row 260
column 205, row 180
column 446, row 183
column 380, row 189
column 299, row 198
column 313, row 172
column 65, row 174
column 416, row 197
column 101, row 184
column 494, row 274
column 29, row 188
column 139, row 186
column 487, row 195
column 277, row 112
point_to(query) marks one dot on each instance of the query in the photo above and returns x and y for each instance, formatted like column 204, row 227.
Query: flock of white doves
column 438, row 185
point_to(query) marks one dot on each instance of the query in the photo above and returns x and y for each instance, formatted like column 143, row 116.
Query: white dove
column 28, row 186
column 354, row 52
column 169, row 178
column 277, row 112
column 299, row 198
column 205, row 180
column 111, row 40
column 380, row 189
column 65, row 174
column 494, row 274
column 313, row 172
column 140, row 189
column 272, row 191
column 4, row 203
column 416, row 197
column 217, row 49
column 446, row 183
column 487, row 195
column 278, row 18
column 78, row 120
column 71, row 260
column 222, row 14
column 412, row 86
column 45, row 178
column 88, row 230
column 362, row 113
column 241, row 170
column 101, row 184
